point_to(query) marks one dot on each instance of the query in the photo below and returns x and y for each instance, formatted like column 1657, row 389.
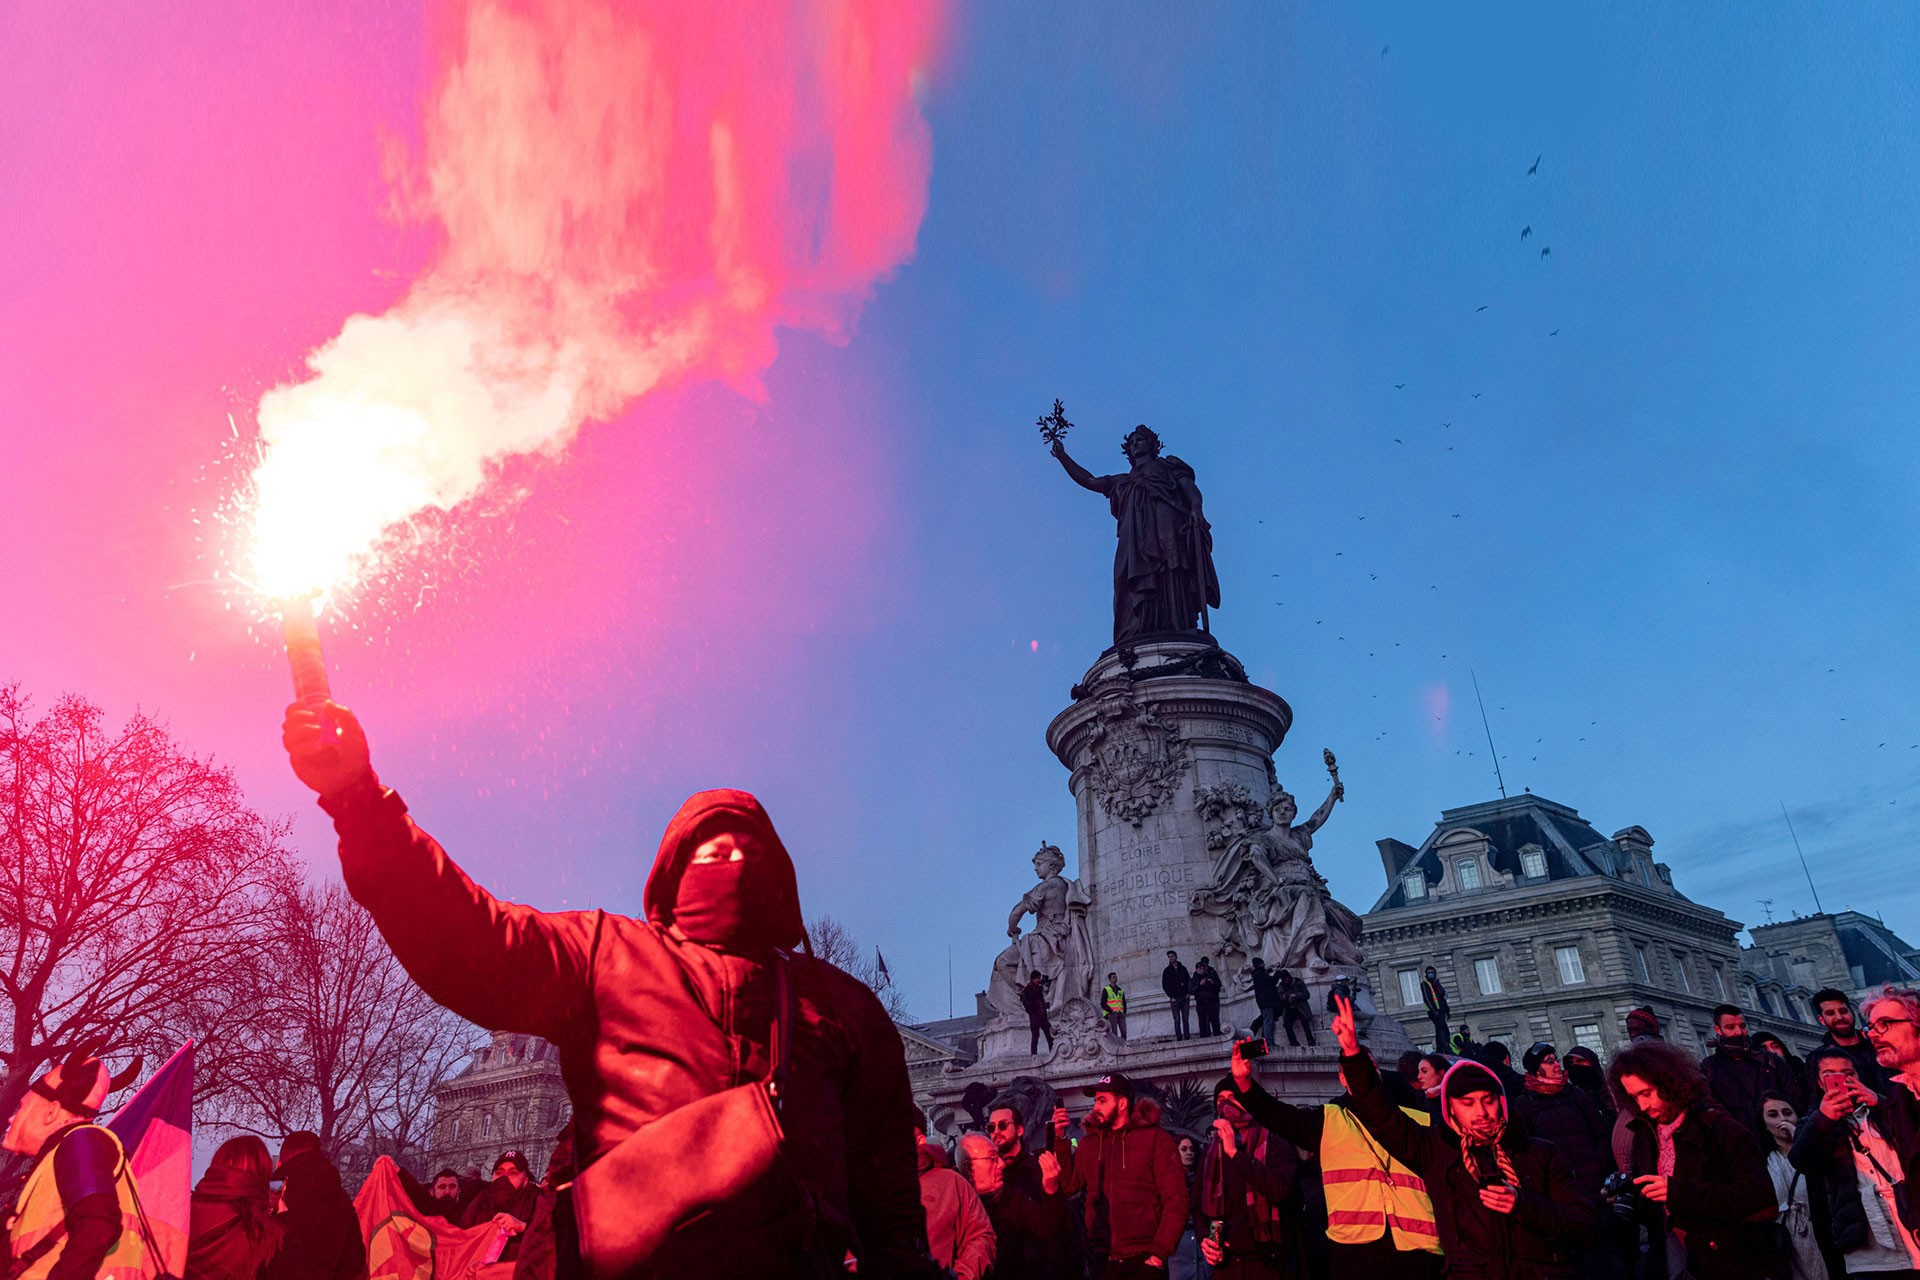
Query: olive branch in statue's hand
column 1054, row 426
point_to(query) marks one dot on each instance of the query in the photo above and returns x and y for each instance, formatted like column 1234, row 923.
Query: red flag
column 406, row 1244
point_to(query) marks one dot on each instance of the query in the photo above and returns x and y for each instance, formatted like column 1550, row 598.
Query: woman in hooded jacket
column 1507, row 1206
column 232, row 1233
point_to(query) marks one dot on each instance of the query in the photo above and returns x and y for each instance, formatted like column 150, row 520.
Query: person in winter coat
column 508, row 1201
column 1206, row 996
column 1892, row 1020
column 1378, row 1217
column 959, row 1233
column 1026, row 1202
column 1248, row 1187
column 1583, row 1073
column 1434, row 996
column 1834, row 1011
column 1136, row 1191
column 1737, row 1074
column 1033, row 998
column 232, row 1230
column 321, row 1238
column 1708, row 1202
column 1507, row 1206
column 1841, row 1145
column 1549, row 1107
column 1177, row 983
column 1794, row 1191
column 1266, row 998
column 650, row 1015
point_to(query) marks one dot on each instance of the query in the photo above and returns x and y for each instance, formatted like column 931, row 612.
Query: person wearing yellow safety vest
column 77, row 1216
column 1507, row 1205
column 1379, row 1219
column 1113, row 1005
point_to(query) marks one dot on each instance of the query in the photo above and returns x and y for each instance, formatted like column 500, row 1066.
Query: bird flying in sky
column 1536, row 165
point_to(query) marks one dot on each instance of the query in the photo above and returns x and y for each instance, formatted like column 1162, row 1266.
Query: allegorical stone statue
column 1268, row 897
column 1163, row 577
column 1058, row 945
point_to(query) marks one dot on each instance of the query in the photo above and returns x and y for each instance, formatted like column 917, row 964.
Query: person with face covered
column 1506, row 1205
column 1248, row 1196
column 1738, row 1074
column 651, row 1015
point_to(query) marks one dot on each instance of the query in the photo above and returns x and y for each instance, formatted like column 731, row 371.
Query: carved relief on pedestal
column 1136, row 761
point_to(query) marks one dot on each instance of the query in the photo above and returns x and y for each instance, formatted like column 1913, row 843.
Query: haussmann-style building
column 1541, row 928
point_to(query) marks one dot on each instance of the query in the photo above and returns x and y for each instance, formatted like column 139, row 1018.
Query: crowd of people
column 741, row 1108
column 1746, row 1163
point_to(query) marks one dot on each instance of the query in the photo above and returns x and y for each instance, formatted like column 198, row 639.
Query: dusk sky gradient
column 1674, row 535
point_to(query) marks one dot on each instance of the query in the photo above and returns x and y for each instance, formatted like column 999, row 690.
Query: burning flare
column 631, row 196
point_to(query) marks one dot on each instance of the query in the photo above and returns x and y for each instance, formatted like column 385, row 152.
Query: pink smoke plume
column 632, row 195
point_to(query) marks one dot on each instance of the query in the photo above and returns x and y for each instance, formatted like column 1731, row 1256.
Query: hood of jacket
column 1468, row 1076
column 309, row 1179
column 710, row 813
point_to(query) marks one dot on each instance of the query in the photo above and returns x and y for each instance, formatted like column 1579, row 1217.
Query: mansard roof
column 1572, row 848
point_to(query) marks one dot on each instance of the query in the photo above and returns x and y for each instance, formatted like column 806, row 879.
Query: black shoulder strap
column 780, row 1042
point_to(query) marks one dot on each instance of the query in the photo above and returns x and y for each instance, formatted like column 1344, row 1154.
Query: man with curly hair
column 1707, row 1197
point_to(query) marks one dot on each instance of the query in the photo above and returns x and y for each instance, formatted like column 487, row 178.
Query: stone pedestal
column 1152, row 726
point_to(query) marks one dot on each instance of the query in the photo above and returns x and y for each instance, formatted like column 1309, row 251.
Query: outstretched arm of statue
column 1320, row 815
column 1019, row 912
column 1081, row 476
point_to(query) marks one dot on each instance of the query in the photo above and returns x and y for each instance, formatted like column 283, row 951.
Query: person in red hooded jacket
column 650, row 1015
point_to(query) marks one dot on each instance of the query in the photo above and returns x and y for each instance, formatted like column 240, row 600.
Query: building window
column 1410, row 989
column 1572, row 972
column 1487, row 974
column 1640, row 965
column 1587, row 1035
column 1467, row 873
column 1766, row 1001
column 1416, row 886
column 486, row 1125
column 519, row 1122
column 1720, row 982
column 1680, row 969
column 1533, row 864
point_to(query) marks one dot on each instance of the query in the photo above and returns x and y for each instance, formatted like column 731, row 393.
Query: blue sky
column 1671, row 524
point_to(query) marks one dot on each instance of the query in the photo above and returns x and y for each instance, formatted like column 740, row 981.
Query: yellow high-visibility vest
column 1368, row 1191
column 41, row 1220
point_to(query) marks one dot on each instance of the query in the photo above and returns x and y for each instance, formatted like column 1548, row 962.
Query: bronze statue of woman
column 1163, row 576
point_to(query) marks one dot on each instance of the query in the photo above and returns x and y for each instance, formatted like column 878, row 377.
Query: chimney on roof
column 1395, row 857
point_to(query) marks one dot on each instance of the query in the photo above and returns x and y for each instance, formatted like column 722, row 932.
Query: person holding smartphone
column 1379, row 1217
column 1506, row 1205
column 1842, row 1147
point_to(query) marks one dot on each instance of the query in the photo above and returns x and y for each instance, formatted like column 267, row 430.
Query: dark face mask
column 725, row 905
column 1737, row 1044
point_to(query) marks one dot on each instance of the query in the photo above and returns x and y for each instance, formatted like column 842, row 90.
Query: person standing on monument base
column 1266, row 998
column 1434, row 996
column 1178, row 985
column 1206, row 996
column 1113, row 1006
column 1380, row 1219
column 1033, row 998
column 701, row 1003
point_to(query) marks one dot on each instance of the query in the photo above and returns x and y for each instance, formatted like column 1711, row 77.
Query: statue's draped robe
column 1163, row 565
column 1058, row 945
